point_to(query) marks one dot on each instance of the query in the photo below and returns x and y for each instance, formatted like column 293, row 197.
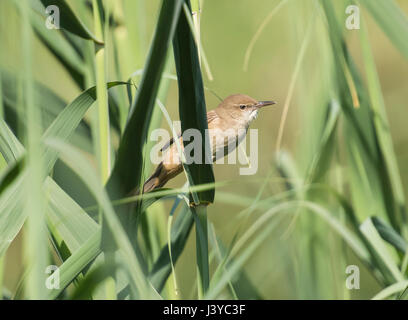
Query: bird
column 227, row 127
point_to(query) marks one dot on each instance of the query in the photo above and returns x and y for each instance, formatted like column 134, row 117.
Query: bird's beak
column 261, row 104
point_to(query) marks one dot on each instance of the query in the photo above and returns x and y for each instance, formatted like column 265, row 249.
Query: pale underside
column 224, row 138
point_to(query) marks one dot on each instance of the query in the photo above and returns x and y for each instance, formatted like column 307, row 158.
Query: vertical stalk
column 188, row 33
column 102, row 123
column 203, row 273
column 35, row 239
column 201, row 210
column 103, row 136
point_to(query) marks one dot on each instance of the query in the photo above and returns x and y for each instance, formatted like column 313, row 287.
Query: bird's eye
column 242, row 106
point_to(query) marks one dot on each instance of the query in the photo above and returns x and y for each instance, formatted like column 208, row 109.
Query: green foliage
column 192, row 103
column 70, row 21
column 335, row 197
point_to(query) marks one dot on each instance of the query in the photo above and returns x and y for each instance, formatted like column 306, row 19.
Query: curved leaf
column 127, row 172
column 69, row 21
column 192, row 104
column 12, row 216
column 390, row 235
column 392, row 20
column 391, row 290
column 80, row 165
column 60, row 48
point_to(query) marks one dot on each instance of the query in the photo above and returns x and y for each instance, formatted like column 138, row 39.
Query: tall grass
column 68, row 168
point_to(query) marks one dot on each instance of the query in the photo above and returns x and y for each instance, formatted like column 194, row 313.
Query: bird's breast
column 225, row 141
column 222, row 142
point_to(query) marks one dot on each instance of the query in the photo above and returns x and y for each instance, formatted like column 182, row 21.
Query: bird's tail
column 156, row 180
column 159, row 178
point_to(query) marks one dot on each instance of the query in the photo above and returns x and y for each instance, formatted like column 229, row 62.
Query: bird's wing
column 211, row 116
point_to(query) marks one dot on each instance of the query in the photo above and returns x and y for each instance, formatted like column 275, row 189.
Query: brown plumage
column 224, row 123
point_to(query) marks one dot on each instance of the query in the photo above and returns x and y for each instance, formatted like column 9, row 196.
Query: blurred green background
column 302, row 258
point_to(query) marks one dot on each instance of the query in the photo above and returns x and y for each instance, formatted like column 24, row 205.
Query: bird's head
column 242, row 107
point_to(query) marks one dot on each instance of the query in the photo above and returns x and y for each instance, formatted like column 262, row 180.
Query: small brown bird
column 227, row 124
